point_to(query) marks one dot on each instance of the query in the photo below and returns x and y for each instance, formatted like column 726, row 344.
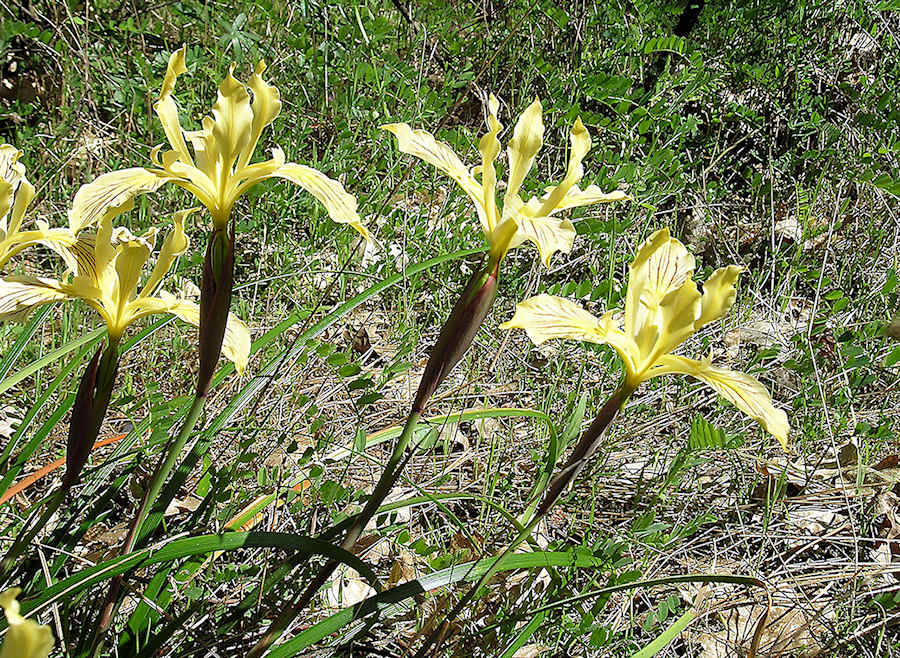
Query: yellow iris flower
column 662, row 309
column 106, row 276
column 24, row 638
column 16, row 194
column 518, row 221
column 219, row 171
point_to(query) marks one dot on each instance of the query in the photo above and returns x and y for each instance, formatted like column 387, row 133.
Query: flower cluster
column 109, row 268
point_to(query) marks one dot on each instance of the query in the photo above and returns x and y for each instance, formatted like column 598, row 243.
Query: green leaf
column 186, row 547
column 401, row 598
column 893, row 358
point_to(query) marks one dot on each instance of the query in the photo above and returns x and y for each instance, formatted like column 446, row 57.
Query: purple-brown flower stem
column 88, row 412
column 453, row 342
column 585, row 449
column 215, row 303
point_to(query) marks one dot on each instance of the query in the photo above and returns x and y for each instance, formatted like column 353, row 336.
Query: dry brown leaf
column 794, row 631
column 530, row 651
column 348, row 588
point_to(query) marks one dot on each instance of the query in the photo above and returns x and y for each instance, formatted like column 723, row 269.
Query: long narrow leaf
column 401, row 598
column 185, row 547
column 25, row 335
column 90, row 339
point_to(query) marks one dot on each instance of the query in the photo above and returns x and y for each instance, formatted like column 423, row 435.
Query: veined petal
column 166, row 109
column 662, row 265
column 174, row 245
column 545, row 317
column 718, row 294
column 11, row 170
column 424, row 146
column 742, row 390
column 266, row 106
column 528, row 136
column 581, row 144
column 79, row 254
column 24, row 638
column 233, row 119
column 489, row 146
column 20, row 294
column 115, row 189
column 576, row 197
column 341, row 205
column 548, row 233
column 236, row 344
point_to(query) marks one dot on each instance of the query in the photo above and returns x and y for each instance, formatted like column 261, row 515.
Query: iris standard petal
column 576, row 197
column 166, row 109
column 718, row 294
column 174, row 245
column 24, row 195
column 528, row 136
column 580, row 140
column 660, row 266
column 676, row 317
column 130, row 258
column 266, row 106
column 489, row 146
column 742, row 390
column 11, row 170
column 232, row 121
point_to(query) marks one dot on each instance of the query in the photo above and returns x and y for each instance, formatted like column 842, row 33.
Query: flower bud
column 89, row 410
column 458, row 332
column 215, row 301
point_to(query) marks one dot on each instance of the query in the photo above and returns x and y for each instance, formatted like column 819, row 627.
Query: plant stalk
column 88, row 413
column 581, row 455
column 134, row 534
column 215, row 303
column 453, row 342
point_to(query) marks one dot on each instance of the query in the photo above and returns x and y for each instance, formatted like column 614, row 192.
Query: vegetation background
column 764, row 133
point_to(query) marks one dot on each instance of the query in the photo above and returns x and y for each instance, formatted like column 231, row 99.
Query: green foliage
column 763, row 112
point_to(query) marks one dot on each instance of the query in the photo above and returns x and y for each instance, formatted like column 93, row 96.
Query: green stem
column 162, row 474
column 88, row 413
column 156, row 484
column 581, row 455
column 385, row 483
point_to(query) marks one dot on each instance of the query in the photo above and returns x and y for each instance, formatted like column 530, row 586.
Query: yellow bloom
column 106, row 276
column 662, row 309
column 24, row 637
column 219, row 171
column 518, row 221
column 16, row 194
